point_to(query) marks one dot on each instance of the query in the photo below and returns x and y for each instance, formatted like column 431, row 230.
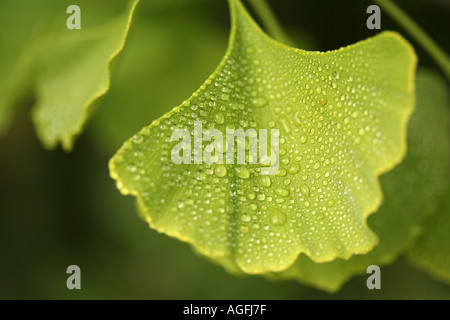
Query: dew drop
column 298, row 119
column 323, row 101
column 305, row 190
column 284, row 123
column 138, row 139
column 242, row 173
column 259, row 102
column 266, row 182
column 282, row 192
column 277, row 218
column 295, row 168
column 245, row 218
column 244, row 229
column 131, row 168
column 302, row 139
column 230, row 126
column 220, row 171
column 218, row 117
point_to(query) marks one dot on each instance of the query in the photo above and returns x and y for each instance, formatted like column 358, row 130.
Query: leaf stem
column 270, row 21
column 415, row 31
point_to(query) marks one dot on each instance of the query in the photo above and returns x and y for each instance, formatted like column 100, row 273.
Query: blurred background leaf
column 431, row 252
column 21, row 22
column 71, row 69
column 67, row 69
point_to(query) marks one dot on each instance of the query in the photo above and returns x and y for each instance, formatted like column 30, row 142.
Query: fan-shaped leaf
column 342, row 118
column 72, row 71
column 68, row 68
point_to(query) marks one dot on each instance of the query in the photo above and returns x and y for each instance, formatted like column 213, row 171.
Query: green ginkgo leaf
column 71, row 71
column 20, row 23
column 431, row 253
column 151, row 59
column 410, row 190
column 340, row 119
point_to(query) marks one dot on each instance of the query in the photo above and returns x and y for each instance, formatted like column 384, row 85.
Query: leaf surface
column 410, row 190
column 342, row 118
column 149, row 66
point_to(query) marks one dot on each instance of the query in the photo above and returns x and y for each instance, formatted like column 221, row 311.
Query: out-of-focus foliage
column 432, row 250
column 68, row 69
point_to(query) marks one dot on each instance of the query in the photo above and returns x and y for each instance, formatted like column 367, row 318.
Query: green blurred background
column 59, row 208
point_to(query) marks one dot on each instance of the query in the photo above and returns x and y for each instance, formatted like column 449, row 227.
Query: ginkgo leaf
column 68, row 67
column 151, row 59
column 20, row 22
column 409, row 191
column 341, row 118
column 431, row 252
column 71, row 70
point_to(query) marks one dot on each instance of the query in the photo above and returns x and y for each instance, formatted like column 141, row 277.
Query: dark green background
column 59, row 208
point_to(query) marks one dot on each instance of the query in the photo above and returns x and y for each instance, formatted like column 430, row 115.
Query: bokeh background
column 59, row 208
